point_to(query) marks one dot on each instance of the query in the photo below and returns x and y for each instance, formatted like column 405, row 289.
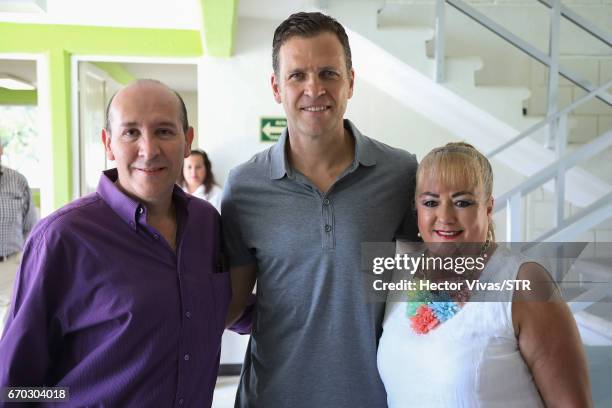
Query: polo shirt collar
column 279, row 167
column 128, row 209
column 364, row 153
column 278, row 160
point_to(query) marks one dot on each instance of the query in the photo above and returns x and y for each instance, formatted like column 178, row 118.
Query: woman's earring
column 419, row 234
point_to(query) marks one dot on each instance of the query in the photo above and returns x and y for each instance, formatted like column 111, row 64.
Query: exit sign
column 271, row 128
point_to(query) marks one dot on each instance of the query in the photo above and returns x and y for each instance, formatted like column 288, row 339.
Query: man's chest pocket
column 208, row 283
column 10, row 208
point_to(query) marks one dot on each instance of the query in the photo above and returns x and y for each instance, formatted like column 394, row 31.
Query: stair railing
column 551, row 60
column 556, row 120
column 512, row 200
column 513, row 203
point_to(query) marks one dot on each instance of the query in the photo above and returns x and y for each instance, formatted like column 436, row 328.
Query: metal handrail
column 548, row 120
column 555, row 119
column 523, row 46
column 512, row 200
column 582, row 23
column 602, row 204
column 587, row 151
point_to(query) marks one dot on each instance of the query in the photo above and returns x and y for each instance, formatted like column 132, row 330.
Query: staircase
column 485, row 116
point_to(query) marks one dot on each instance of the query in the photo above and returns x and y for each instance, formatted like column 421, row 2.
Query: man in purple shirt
column 120, row 295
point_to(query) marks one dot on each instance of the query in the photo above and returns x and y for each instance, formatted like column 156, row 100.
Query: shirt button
column 188, row 315
column 132, row 224
column 180, row 401
column 186, row 357
column 328, row 228
column 326, row 201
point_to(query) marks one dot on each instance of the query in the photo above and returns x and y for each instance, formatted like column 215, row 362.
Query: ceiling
column 23, row 69
column 181, row 77
column 183, row 14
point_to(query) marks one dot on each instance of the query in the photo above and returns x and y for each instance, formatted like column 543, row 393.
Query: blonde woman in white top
column 512, row 352
column 198, row 179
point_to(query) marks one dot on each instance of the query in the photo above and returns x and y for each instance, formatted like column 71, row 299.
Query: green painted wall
column 36, row 197
column 37, row 38
column 59, row 90
column 219, row 26
column 60, row 42
column 116, row 71
column 11, row 97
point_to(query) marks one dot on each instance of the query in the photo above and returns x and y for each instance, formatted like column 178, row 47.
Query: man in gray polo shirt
column 294, row 218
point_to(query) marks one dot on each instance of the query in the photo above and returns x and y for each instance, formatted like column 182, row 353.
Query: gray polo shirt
column 314, row 333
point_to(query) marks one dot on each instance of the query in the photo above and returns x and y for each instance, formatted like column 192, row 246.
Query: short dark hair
column 309, row 25
column 183, row 108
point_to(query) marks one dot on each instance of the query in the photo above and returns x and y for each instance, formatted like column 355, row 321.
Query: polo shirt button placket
column 328, row 227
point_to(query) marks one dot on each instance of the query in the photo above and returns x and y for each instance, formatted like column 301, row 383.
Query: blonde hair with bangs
column 458, row 163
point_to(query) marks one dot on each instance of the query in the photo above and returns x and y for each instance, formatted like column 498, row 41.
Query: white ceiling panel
column 183, row 14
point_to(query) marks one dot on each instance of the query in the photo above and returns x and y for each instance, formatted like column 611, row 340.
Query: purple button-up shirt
column 104, row 306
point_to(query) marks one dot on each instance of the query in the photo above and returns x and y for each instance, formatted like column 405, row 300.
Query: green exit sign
column 271, row 128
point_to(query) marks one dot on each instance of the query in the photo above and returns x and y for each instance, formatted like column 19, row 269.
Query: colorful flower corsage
column 426, row 310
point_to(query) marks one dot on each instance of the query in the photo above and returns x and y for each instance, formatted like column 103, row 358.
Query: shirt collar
column 279, row 166
column 126, row 207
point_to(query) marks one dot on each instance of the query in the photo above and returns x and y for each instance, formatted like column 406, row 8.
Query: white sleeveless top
column 472, row 360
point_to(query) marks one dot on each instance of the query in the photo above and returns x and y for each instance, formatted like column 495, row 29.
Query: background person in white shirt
column 198, row 179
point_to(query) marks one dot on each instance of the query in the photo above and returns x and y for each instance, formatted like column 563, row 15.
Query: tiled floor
column 225, row 392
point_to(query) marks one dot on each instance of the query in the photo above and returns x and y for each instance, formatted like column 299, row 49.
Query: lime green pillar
column 60, row 104
column 219, row 26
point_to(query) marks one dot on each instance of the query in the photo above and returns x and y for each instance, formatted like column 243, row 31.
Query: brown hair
column 209, row 180
column 459, row 163
column 309, row 25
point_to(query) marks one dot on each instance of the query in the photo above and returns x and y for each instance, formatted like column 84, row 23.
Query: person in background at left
column 121, row 295
column 198, row 179
column 17, row 218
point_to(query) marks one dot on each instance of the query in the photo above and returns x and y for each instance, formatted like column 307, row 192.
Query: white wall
column 236, row 93
column 191, row 103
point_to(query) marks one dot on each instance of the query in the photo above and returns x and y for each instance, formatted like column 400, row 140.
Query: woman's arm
column 549, row 341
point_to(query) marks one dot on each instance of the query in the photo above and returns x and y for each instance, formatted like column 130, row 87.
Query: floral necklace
column 427, row 309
